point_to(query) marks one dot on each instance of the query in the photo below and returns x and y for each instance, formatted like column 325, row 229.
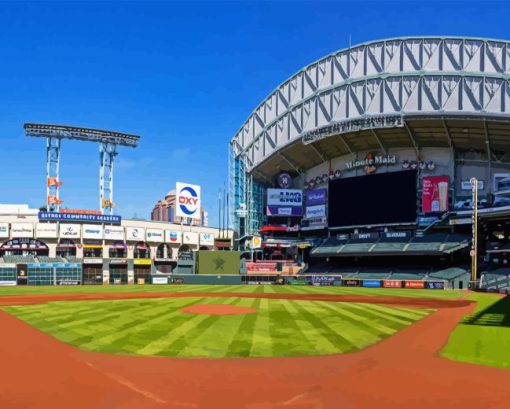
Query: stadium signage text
column 371, row 161
column 78, row 217
column 188, row 199
column 352, row 125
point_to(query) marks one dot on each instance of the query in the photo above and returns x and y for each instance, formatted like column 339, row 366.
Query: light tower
column 108, row 140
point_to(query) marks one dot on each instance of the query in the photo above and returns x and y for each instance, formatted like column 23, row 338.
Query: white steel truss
column 404, row 76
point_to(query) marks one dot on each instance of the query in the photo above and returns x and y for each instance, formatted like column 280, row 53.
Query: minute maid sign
column 371, row 162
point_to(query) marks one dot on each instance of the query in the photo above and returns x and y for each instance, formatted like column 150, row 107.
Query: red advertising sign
column 434, row 194
column 264, row 266
column 392, row 284
column 81, row 211
column 415, row 284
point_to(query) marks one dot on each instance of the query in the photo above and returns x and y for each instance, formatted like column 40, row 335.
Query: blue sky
column 184, row 76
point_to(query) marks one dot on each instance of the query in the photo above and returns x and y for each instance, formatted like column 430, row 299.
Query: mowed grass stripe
column 407, row 315
column 112, row 339
column 361, row 320
column 262, row 344
column 327, row 339
column 241, row 343
column 212, row 337
column 390, row 320
column 293, row 322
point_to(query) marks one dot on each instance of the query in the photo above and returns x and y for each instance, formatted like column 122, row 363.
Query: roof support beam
column 413, row 141
column 489, row 151
column 349, row 149
column 292, row 164
column 448, row 135
column 383, row 148
column 319, row 154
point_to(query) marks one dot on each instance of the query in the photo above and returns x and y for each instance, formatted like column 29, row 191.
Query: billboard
column 173, row 236
column 22, row 230
column 376, row 199
column 46, row 230
column 434, row 195
column 114, row 233
column 155, row 235
column 135, row 234
column 92, row 231
column 69, row 231
column 315, row 197
column 315, row 223
column 79, row 217
column 189, row 237
column 434, row 285
column 284, row 211
column 285, row 197
column 415, row 284
column 187, row 200
column 4, row 230
column 392, row 284
column 218, row 262
column 206, row 239
column 371, row 283
column 315, row 211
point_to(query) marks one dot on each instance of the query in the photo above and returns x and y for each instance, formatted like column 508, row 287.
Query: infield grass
column 158, row 327
column 484, row 336
column 288, row 289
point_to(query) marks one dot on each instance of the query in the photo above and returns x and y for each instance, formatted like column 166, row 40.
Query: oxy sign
column 187, row 200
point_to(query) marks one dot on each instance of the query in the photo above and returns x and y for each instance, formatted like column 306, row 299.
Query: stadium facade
column 88, row 247
column 386, row 137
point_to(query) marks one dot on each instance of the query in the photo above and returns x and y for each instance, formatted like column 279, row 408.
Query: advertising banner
column 285, row 197
column 284, row 211
column 392, row 284
column 323, row 280
column 92, row 231
column 261, row 266
column 155, row 235
column 315, row 197
column 114, row 233
column 46, row 230
column 315, row 211
column 351, row 283
column 434, row 285
column 80, row 211
column 397, row 235
column 434, row 194
column 79, row 217
column 187, row 200
column 365, row 236
column 22, row 230
column 92, row 261
column 173, row 237
column 69, row 231
column 142, row 262
column 7, row 283
column 371, row 283
column 315, row 223
column 135, row 234
column 159, row 280
column 256, row 242
column 189, row 237
column 415, row 284
column 4, row 230
column 206, row 239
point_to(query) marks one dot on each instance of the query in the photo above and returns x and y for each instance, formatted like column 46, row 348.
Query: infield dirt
column 401, row 372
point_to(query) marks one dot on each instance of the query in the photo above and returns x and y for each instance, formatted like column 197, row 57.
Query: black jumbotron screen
column 373, row 199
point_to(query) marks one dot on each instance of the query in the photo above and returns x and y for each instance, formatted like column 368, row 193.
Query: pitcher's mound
column 217, row 309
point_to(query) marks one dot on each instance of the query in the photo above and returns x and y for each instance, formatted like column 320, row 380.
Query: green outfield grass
column 158, row 327
column 448, row 294
column 484, row 336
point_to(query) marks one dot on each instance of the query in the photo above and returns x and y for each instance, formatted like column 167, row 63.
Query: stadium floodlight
column 108, row 140
column 81, row 134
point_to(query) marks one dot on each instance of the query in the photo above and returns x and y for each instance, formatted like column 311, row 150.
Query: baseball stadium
column 361, row 259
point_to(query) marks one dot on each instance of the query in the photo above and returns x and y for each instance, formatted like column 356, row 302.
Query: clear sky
column 184, row 76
